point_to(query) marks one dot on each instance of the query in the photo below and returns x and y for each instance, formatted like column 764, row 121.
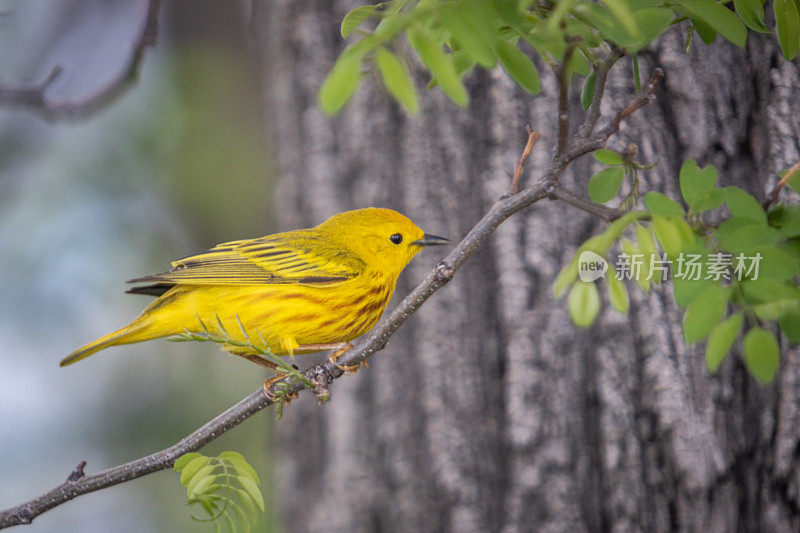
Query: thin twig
column 773, row 195
column 642, row 100
column 324, row 373
column 563, row 99
column 601, row 73
column 533, row 136
column 35, row 99
column 581, row 146
column 608, row 214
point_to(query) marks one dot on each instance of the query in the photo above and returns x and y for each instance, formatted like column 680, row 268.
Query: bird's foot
column 269, row 382
column 334, row 356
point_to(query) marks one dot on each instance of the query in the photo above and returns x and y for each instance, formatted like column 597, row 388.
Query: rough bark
column 489, row 410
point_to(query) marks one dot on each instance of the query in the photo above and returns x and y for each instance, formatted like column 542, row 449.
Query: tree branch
column 601, row 73
column 324, row 373
column 581, row 146
column 35, row 99
column 563, row 99
column 601, row 211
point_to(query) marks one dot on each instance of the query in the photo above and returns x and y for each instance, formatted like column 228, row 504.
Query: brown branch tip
column 775, row 193
column 533, row 136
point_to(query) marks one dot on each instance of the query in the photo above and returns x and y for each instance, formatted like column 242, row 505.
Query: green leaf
column 707, row 34
column 788, row 23
column 775, row 263
column 791, row 247
column 794, row 181
column 584, row 303
column 240, row 464
column 629, row 248
column 761, row 354
column 696, row 182
column 204, row 476
column 771, row 299
column 467, row 31
column 637, row 80
column 565, row 278
column 248, row 506
column 622, row 12
column 652, row 22
column 560, row 11
column 743, row 205
column 687, row 290
column 519, row 66
column 587, row 93
column 439, row 64
column 579, row 64
column 355, row 17
column 191, row 468
column 752, row 13
column 661, row 204
column 743, row 234
column 607, row 157
column 718, row 17
column 710, row 200
column 786, row 219
column 462, row 63
column 341, row 82
column 764, row 290
column 687, row 44
column 396, row 78
column 510, row 13
column 790, row 325
column 673, row 234
column 183, row 460
column 644, row 238
column 721, row 340
column 606, row 23
column 604, row 185
column 705, row 312
column 238, row 516
column 777, row 309
column 617, row 293
column 252, row 490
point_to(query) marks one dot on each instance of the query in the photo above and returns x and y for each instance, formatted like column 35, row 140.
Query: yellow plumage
column 299, row 291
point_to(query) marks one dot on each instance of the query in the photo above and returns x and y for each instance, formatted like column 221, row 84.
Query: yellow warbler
column 297, row 292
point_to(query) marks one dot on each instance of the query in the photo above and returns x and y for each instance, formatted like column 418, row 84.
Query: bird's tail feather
column 134, row 332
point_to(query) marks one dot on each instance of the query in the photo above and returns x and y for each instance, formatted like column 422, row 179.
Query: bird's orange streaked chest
column 362, row 309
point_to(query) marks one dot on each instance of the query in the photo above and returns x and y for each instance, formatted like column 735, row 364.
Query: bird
column 291, row 293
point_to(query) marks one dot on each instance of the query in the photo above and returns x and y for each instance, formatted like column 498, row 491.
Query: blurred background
column 172, row 167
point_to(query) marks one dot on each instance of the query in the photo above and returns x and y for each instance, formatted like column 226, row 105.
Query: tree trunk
column 489, row 410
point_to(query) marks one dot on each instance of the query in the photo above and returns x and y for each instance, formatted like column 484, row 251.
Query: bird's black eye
column 396, row 238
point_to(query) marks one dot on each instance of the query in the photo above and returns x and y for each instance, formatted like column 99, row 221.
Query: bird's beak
column 431, row 240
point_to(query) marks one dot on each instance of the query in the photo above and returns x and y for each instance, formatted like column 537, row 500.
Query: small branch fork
column 325, row 373
column 601, row 72
column 34, row 97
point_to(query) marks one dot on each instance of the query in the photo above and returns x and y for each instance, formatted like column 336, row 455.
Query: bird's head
column 380, row 237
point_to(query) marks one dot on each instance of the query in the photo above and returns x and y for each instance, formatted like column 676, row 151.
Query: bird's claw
column 333, row 357
column 268, row 383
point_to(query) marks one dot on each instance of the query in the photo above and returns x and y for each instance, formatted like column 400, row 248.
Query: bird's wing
column 288, row 258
